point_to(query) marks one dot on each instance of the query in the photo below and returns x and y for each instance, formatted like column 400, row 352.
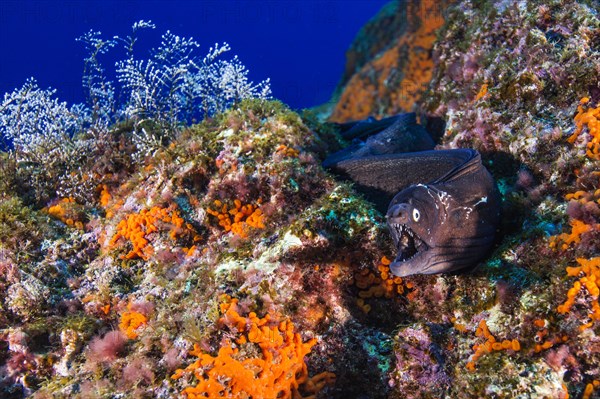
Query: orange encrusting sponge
column 60, row 211
column 105, row 196
column 386, row 285
column 589, row 389
column 287, row 152
column 137, row 226
column 574, row 237
column 130, row 322
column 490, row 344
column 588, row 272
column 239, row 218
column 277, row 372
column 586, row 117
column 590, row 117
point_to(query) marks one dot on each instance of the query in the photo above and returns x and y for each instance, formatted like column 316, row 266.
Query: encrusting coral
column 136, row 228
column 395, row 79
column 588, row 272
column 279, row 371
column 239, row 218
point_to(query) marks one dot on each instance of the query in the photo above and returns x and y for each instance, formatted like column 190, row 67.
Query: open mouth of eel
column 408, row 243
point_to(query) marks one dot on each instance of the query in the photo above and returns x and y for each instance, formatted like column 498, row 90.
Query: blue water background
column 300, row 45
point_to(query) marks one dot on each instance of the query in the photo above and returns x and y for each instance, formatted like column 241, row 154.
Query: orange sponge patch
column 287, row 152
column 588, row 117
column 136, row 228
column 278, row 372
column 66, row 210
column 130, row 323
column 588, row 272
column 239, row 219
column 564, row 240
column 384, row 285
column 490, row 345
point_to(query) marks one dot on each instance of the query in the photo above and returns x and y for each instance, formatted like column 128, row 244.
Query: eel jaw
column 410, row 248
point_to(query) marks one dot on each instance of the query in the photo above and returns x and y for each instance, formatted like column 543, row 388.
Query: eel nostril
column 398, row 211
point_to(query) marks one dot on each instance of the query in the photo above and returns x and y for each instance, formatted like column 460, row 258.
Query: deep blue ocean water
column 300, row 45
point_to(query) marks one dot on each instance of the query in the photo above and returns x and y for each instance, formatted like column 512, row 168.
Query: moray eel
column 444, row 206
column 391, row 135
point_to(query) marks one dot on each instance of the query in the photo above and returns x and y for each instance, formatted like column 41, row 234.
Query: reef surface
column 227, row 263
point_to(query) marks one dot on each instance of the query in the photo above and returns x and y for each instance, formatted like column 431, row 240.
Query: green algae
column 341, row 214
column 379, row 347
column 22, row 229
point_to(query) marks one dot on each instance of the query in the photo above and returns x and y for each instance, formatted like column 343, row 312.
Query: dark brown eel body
column 444, row 206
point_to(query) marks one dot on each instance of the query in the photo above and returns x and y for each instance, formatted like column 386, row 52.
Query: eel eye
column 416, row 215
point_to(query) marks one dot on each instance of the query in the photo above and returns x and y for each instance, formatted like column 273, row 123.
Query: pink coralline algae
column 420, row 363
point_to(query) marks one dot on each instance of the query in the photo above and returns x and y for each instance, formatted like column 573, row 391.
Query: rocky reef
column 227, row 263
column 389, row 64
column 230, row 249
column 519, row 82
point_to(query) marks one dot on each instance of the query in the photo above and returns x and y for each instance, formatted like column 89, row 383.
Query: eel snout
column 408, row 243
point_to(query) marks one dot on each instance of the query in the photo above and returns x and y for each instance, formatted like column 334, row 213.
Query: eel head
column 435, row 231
column 411, row 220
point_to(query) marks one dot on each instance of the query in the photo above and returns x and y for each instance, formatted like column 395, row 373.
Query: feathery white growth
column 41, row 130
column 38, row 125
column 171, row 87
column 159, row 95
column 99, row 90
column 154, row 88
column 129, row 41
column 219, row 84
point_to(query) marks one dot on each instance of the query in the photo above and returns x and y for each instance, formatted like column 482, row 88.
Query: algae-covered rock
column 237, row 208
column 226, row 255
column 390, row 64
column 518, row 82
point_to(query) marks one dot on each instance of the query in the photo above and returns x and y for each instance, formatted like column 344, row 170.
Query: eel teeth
column 407, row 242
